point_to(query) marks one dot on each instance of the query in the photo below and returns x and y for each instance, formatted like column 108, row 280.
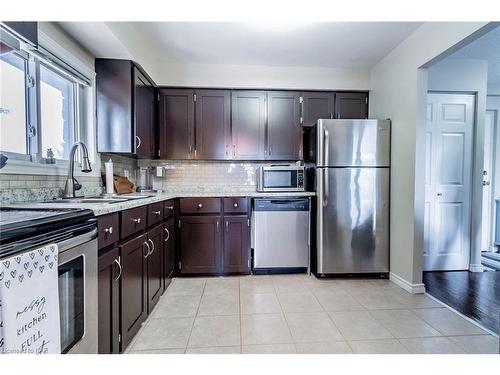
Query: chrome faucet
column 71, row 183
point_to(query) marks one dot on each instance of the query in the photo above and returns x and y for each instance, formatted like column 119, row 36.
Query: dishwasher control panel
column 281, row 204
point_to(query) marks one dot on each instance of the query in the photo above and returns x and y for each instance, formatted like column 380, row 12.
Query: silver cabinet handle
column 331, row 115
column 217, row 226
column 234, row 150
column 270, row 150
column 152, row 246
column 200, row 205
column 168, row 234
column 119, row 264
column 171, row 208
column 138, row 143
column 338, row 115
column 157, row 212
column 227, row 226
column 227, row 152
column 137, row 220
column 235, row 205
column 149, row 249
column 108, row 230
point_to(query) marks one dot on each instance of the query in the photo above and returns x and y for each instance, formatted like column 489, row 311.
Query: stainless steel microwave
column 280, row 178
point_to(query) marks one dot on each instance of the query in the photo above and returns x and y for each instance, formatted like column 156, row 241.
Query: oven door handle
column 119, row 264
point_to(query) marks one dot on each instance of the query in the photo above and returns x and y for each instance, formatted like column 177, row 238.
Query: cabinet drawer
column 236, row 205
column 108, row 230
column 168, row 208
column 200, row 205
column 155, row 213
column 133, row 220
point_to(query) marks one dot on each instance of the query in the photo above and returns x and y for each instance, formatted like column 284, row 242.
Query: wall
column 398, row 92
column 468, row 75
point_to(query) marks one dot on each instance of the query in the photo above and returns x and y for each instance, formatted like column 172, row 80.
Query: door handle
column 326, row 146
column 152, row 246
column 168, row 234
column 119, row 264
column 149, row 249
column 227, row 226
column 138, row 142
column 439, row 194
column 217, row 226
column 326, row 186
column 486, row 183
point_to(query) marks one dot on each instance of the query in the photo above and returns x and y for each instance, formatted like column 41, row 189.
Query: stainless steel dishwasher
column 280, row 234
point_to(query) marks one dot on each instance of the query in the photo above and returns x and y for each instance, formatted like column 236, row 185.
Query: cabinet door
column 144, row 115
column 284, row 133
column 213, row 124
column 168, row 251
column 236, row 244
column 200, row 244
column 109, row 302
column 176, row 124
column 248, row 124
column 317, row 105
column 351, row 105
column 154, row 262
column 133, row 298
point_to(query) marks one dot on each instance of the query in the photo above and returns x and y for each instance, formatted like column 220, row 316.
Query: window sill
column 16, row 166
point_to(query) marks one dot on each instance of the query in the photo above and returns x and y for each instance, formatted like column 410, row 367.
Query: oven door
column 78, row 293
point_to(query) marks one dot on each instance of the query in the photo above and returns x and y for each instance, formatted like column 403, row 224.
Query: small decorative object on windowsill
column 3, row 160
column 50, row 157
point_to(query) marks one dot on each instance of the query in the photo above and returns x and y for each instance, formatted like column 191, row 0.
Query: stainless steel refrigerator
column 352, row 166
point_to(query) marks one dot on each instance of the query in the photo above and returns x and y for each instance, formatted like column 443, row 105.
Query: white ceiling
column 330, row 45
column 487, row 48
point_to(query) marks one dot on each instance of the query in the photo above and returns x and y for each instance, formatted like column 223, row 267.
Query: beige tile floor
column 300, row 314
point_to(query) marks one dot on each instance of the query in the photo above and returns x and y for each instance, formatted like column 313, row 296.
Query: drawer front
column 169, row 208
column 155, row 213
column 108, row 228
column 236, row 205
column 200, row 205
column 133, row 220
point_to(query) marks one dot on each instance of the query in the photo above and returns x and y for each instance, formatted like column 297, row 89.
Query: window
column 13, row 106
column 57, row 113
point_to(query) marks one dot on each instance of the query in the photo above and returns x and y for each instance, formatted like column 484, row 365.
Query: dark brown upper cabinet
column 284, row 132
column 317, row 105
column 213, row 124
column 125, row 108
column 248, row 125
column 176, row 124
column 351, row 105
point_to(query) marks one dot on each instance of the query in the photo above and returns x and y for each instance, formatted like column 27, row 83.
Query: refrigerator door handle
column 326, row 187
column 326, row 146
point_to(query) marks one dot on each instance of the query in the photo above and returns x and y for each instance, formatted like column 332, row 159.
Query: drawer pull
column 119, row 264
column 235, row 205
column 137, row 220
column 171, row 208
column 108, row 230
column 157, row 212
column 200, row 205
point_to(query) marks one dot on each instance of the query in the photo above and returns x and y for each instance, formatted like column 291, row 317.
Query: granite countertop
column 106, row 208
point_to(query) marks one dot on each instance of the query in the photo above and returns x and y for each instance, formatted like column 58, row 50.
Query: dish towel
column 29, row 302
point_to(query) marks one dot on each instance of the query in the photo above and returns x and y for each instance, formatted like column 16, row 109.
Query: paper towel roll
column 109, row 177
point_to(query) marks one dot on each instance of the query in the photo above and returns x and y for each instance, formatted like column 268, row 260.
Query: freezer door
column 353, row 220
column 350, row 143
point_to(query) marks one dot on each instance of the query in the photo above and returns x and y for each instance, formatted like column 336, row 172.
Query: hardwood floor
column 476, row 295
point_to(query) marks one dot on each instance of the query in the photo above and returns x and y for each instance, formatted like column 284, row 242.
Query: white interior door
column 449, row 133
column 488, row 179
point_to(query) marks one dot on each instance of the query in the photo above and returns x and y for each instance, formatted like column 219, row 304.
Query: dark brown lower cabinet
column 154, row 266
column 133, row 300
column 200, row 242
column 108, row 302
column 168, row 251
column 236, row 244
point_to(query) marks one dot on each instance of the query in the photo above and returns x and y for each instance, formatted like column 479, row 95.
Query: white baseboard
column 409, row 287
column 476, row 268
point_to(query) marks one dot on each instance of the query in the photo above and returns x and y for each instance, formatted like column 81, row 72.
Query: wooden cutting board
column 123, row 185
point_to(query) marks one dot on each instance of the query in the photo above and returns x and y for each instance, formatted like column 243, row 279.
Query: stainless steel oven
column 280, row 178
column 75, row 233
column 78, row 293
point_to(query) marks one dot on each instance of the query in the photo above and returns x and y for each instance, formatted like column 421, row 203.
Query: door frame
column 473, row 210
column 495, row 146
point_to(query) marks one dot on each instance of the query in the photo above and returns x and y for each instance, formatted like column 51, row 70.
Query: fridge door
column 352, row 220
column 349, row 143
